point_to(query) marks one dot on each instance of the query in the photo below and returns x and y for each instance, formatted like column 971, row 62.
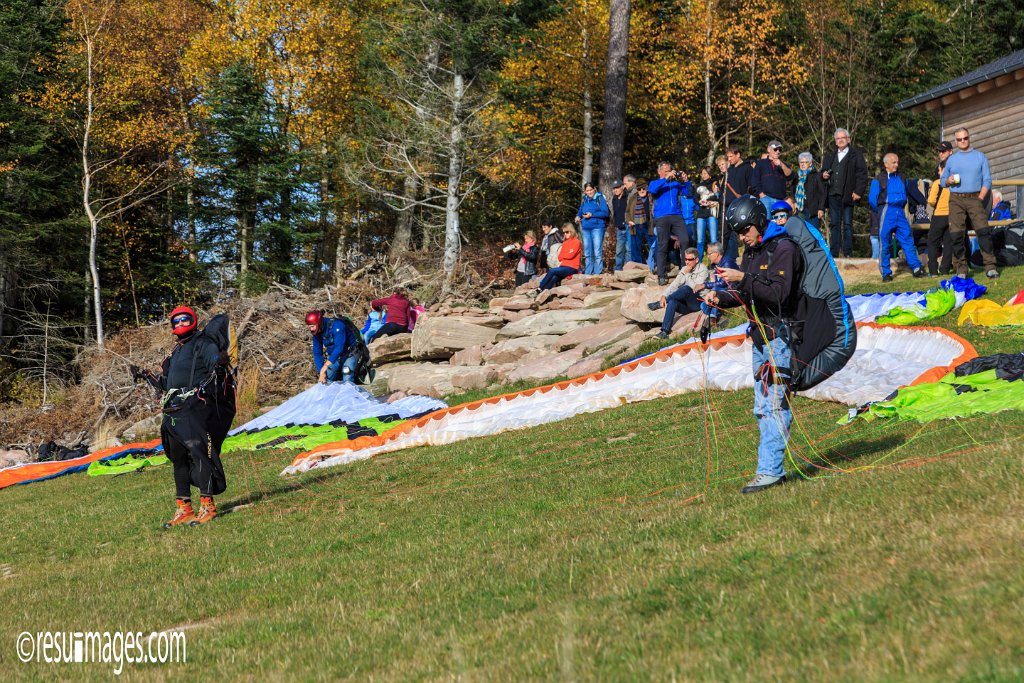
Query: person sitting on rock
column 397, row 306
column 681, row 296
column 568, row 260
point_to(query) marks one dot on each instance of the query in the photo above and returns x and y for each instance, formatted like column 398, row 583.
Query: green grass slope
column 611, row 546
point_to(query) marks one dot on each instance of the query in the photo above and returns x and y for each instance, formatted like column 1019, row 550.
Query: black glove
column 137, row 373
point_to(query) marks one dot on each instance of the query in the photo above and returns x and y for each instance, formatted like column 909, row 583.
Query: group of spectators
column 656, row 221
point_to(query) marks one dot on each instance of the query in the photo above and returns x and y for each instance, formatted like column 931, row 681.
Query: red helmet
column 315, row 318
column 183, row 320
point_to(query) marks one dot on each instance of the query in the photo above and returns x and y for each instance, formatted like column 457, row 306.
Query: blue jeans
column 768, row 203
column 771, row 408
column 636, row 244
column 711, row 223
column 893, row 221
column 555, row 276
column 652, row 250
column 593, row 251
column 840, row 222
column 874, row 247
column 681, row 301
column 621, row 247
column 336, row 371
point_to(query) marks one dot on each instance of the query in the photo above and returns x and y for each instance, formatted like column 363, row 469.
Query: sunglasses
column 963, row 139
column 689, row 258
column 566, row 232
column 777, row 216
column 181, row 319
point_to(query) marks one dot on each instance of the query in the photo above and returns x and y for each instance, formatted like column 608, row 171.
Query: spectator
column 1000, row 208
column 689, row 207
column 527, row 255
column 641, row 225
column 681, row 296
column 938, row 228
column 944, row 149
column 568, row 260
column 717, row 260
column 593, row 219
column 397, row 306
column 735, row 184
column 810, row 194
column 707, row 209
column 771, row 176
column 847, row 176
column 889, row 195
column 629, row 182
column 969, row 181
column 550, row 245
column 668, row 216
column 620, row 197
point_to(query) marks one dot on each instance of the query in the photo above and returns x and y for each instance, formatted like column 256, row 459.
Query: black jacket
column 767, row 288
column 735, row 183
column 619, row 210
column 853, row 173
column 769, row 178
column 816, row 198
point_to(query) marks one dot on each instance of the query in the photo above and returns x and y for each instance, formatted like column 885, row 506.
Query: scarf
column 521, row 268
column 801, row 187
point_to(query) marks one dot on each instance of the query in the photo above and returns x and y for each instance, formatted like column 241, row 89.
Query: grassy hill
column 611, row 546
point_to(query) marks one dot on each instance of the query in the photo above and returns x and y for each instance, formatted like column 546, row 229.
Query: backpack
column 822, row 329
column 222, row 333
column 359, row 350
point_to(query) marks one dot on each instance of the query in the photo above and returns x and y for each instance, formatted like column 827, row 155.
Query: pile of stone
column 570, row 331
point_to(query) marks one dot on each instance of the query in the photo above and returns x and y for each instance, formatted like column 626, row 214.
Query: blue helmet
column 782, row 206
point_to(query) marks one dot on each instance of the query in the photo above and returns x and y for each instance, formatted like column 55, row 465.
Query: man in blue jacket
column 333, row 346
column 668, row 217
column 888, row 197
column 593, row 219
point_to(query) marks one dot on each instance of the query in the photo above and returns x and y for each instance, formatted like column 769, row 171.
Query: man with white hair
column 888, row 197
column 847, row 176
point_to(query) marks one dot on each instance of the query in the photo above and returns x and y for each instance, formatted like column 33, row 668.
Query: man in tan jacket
column 681, row 296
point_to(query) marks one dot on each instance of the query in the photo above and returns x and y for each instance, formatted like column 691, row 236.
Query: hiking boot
column 662, row 281
column 920, row 273
column 184, row 514
column 662, row 334
column 887, row 278
column 992, row 274
column 207, row 511
column 760, row 482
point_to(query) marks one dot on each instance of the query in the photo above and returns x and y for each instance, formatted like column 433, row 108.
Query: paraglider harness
column 816, row 322
column 218, row 387
column 359, row 350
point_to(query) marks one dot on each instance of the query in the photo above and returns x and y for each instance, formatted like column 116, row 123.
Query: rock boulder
column 390, row 349
column 439, row 338
column 549, row 322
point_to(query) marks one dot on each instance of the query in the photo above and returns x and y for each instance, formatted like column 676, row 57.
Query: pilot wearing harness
column 765, row 287
column 198, row 407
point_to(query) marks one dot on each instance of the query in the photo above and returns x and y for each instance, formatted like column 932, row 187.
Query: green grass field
column 611, row 546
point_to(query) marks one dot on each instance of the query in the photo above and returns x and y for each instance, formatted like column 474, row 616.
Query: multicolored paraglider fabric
column 988, row 384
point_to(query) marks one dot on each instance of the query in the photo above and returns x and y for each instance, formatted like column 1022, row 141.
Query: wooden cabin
column 989, row 102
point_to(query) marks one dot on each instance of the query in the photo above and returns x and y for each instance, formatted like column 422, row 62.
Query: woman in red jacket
column 568, row 259
column 398, row 305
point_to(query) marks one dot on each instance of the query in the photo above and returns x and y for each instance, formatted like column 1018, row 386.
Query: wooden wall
column 996, row 121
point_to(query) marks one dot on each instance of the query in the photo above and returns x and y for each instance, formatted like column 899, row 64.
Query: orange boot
column 207, row 511
column 184, row 515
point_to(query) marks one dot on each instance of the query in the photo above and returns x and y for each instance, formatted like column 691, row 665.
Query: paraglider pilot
column 198, row 405
column 334, row 347
column 764, row 286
